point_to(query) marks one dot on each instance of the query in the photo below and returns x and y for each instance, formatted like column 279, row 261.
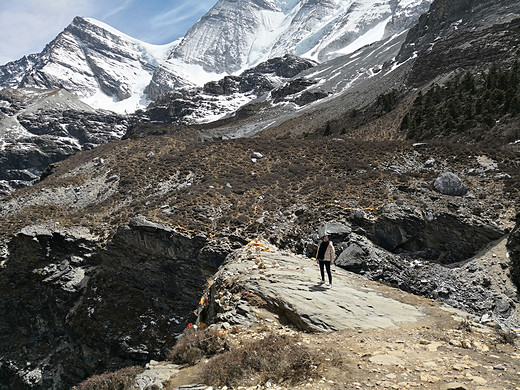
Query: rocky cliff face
column 462, row 34
column 236, row 35
column 81, row 299
column 40, row 127
column 12, row 73
column 264, row 29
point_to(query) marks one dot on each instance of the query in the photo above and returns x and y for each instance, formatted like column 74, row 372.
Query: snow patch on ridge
column 375, row 34
column 150, row 51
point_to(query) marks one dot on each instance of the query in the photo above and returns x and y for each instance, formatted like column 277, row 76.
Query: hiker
column 325, row 256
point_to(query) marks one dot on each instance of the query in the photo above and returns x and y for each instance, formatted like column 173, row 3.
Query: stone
column 502, row 308
column 502, row 176
column 479, row 380
column 335, row 230
column 387, row 360
column 353, row 258
column 454, row 386
column 91, row 282
column 287, row 290
column 429, row 163
column 112, row 179
column 450, row 184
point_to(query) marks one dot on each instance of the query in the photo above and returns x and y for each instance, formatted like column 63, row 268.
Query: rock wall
column 443, row 238
column 513, row 246
column 476, row 283
column 73, row 306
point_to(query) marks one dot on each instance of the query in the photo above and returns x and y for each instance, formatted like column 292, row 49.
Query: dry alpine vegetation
column 216, row 188
column 447, row 354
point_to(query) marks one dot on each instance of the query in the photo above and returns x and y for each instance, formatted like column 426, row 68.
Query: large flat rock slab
column 287, row 286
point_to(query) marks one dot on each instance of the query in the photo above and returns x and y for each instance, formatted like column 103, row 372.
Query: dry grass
column 196, row 344
column 308, row 173
column 123, row 379
column 273, row 358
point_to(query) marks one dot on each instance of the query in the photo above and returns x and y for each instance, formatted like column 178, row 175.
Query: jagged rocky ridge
column 41, row 127
column 216, row 99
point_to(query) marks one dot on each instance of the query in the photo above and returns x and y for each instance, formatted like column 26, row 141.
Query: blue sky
column 26, row 26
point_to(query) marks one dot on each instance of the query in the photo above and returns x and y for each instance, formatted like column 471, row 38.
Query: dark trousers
column 325, row 264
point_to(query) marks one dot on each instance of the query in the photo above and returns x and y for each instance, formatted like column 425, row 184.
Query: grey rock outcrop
column 456, row 34
column 261, row 78
column 335, row 230
column 73, row 306
column 261, row 281
column 513, row 246
column 450, row 184
column 441, row 237
column 488, row 294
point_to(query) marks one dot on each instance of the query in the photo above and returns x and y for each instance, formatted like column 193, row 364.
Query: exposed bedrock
column 68, row 300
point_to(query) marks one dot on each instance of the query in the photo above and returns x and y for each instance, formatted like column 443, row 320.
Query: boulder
column 336, row 231
column 352, row 258
column 450, row 184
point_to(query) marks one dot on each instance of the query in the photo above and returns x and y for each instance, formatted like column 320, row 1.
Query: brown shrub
column 275, row 358
column 123, row 379
column 196, row 344
column 506, row 337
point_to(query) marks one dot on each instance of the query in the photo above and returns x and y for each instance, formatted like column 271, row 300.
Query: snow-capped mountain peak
column 99, row 64
column 237, row 34
column 109, row 69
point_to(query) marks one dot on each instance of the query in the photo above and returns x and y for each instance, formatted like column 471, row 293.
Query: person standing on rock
column 325, row 256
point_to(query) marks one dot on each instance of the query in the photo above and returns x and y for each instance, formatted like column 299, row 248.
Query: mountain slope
column 109, row 69
column 39, row 127
column 236, row 35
